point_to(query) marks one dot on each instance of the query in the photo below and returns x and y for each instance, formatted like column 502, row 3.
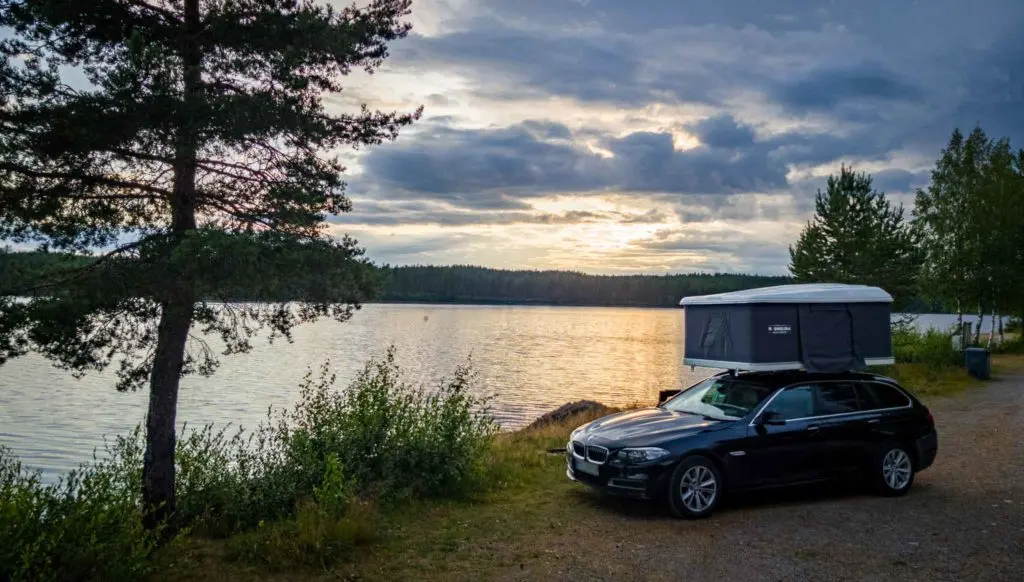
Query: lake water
column 532, row 359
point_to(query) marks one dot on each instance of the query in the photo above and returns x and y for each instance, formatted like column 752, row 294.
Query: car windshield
column 719, row 398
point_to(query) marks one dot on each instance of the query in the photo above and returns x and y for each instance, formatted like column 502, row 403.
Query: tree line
column 31, row 273
column 961, row 249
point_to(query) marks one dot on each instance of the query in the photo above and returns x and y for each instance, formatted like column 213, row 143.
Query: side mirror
column 771, row 418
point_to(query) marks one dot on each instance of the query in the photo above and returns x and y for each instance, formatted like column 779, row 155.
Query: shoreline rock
column 568, row 410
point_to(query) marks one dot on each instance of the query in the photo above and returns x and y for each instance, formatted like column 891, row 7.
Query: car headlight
column 642, row 454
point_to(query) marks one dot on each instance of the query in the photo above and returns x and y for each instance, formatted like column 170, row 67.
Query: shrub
column 933, row 348
column 314, row 537
column 1012, row 326
column 380, row 437
column 311, row 469
column 1014, row 345
column 87, row 526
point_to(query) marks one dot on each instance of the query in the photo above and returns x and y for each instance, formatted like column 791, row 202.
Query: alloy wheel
column 698, row 489
column 896, row 469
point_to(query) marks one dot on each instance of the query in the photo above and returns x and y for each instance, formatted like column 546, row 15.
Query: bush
column 1013, row 345
column 378, row 438
column 317, row 469
column 314, row 537
column 932, row 347
column 85, row 527
column 1012, row 326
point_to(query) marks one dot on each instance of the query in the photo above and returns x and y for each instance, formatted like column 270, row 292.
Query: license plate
column 587, row 467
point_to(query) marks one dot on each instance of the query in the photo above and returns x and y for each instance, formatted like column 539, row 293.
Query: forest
column 27, row 272
column 960, row 249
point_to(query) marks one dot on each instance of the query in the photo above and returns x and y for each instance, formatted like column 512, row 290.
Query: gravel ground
column 963, row 520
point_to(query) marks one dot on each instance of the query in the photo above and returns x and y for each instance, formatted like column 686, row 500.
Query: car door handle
column 874, row 421
column 813, row 428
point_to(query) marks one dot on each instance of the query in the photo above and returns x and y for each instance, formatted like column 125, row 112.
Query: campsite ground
column 964, row 519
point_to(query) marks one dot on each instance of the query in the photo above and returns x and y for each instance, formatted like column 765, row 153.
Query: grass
column 418, row 539
column 523, row 519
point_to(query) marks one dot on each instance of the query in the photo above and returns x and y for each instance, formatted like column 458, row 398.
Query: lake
column 532, row 359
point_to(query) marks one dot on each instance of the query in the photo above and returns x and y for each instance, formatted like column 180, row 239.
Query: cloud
column 830, row 87
column 722, row 131
column 676, row 117
column 536, row 159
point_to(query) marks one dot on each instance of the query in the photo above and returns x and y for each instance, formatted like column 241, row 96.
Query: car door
column 844, row 422
column 890, row 408
column 786, row 453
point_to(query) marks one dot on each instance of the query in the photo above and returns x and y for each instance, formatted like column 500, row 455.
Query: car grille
column 593, row 453
column 579, row 449
column 597, row 454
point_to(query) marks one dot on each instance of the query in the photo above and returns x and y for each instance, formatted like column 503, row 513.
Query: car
column 741, row 431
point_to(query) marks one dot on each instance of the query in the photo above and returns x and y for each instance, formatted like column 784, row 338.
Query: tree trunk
column 992, row 331
column 177, row 301
column 977, row 331
column 1002, row 337
column 158, row 464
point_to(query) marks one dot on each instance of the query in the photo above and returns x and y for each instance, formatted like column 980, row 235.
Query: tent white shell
column 805, row 293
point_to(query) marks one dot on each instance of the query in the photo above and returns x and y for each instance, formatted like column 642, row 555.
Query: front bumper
column 639, row 482
column 927, row 447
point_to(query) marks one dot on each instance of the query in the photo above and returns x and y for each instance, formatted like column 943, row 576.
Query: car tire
column 892, row 470
column 695, row 488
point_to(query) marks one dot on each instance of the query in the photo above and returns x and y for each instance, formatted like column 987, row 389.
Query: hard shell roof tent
column 822, row 327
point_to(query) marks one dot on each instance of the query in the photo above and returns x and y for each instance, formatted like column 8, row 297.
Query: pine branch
column 79, row 272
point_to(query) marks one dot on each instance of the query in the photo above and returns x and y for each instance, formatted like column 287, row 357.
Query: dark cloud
column 722, row 131
column 426, row 213
column 448, row 162
column 832, row 86
column 459, row 166
column 865, row 81
column 897, row 180
column 586, row 66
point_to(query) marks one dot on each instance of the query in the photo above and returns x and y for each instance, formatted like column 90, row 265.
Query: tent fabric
column 827, row 339
column 816, row 336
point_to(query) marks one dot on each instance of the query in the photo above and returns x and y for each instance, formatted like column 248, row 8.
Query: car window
column 877, row 396
column 837, row 398
column 794, row 402
column 723, row 398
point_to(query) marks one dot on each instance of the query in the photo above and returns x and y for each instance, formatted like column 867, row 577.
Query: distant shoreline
column 501, row 302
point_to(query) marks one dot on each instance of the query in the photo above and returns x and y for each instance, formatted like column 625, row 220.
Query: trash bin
column 978, row 363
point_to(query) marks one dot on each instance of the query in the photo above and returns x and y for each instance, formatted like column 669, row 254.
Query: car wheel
column 695, row 488
column 892, row 472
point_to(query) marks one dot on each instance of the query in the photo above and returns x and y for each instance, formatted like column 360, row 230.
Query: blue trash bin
column 978, row 363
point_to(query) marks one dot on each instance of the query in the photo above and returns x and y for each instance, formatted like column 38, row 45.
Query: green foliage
column 314, row 537
column 380, row 437
column 221, row 171
column 856, row 236
column 932, row 347
column 970, row 221
column 1013, row 325
column 302, row 487
column 85, row 527
column 200, row 152
column 1014, row 345
column 390, row 436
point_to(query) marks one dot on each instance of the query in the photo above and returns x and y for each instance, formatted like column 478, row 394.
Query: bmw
column 737, row 432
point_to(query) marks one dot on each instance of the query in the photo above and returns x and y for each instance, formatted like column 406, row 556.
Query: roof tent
column 816, row 327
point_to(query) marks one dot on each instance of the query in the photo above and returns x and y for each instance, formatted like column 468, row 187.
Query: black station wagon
column 743, row 431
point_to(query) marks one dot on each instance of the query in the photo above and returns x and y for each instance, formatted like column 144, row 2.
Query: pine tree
column 856, row 236
column 198, row 155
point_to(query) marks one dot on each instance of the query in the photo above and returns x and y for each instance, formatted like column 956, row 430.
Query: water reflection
column 532, row 359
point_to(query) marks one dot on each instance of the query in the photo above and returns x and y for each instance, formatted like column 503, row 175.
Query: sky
column 657, row 136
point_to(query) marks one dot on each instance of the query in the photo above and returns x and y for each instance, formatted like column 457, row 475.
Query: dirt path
column 964, row 520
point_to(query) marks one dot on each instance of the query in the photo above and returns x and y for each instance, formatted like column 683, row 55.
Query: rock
column 569, row 410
